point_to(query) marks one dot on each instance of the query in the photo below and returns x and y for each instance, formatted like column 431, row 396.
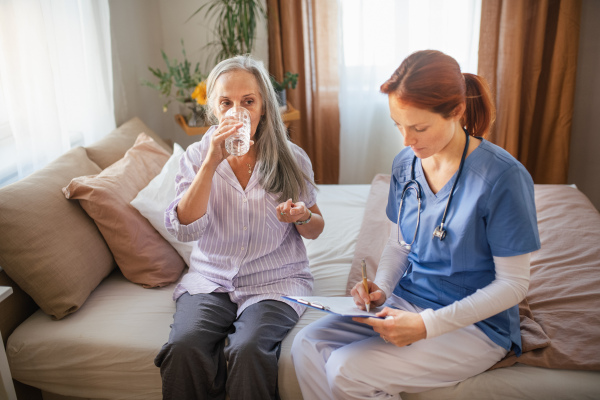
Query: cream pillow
column 141, row 253
column 153, row 200
column 48, row 245
column 110, row 149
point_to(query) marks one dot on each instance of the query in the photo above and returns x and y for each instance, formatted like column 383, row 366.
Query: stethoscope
column 415, row 186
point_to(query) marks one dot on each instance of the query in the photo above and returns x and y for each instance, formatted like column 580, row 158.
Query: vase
column 281, row 99
column 195, row 114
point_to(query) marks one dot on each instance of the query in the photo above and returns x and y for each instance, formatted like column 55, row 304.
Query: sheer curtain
column 375, row 37
column 55, row 80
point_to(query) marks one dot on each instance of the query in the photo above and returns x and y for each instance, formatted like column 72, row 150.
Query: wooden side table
column 7, row 389
column 291, row 114
column 190, row 130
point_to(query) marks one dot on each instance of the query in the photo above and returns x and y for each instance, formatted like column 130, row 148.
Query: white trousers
column 337, row 358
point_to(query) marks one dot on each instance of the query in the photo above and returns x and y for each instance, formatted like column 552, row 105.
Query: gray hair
column 278, row 170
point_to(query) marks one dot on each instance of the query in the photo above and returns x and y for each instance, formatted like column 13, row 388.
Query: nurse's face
column 426, row 132
column 238, row 88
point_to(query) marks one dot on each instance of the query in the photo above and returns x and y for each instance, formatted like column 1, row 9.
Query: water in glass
column 238, row 144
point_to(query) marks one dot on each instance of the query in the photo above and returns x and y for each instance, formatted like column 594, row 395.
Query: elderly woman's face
column 238, row 89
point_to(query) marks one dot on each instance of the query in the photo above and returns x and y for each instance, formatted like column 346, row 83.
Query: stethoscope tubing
column 439, row 231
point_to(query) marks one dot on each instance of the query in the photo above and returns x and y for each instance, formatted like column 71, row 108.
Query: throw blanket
column 560, row 317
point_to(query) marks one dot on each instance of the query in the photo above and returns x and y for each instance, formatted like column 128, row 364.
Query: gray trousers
column 197, row 364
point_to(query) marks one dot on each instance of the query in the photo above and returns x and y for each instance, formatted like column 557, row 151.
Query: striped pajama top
column 240, row 246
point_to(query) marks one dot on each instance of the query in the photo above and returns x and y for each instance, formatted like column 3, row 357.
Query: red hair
column 431, row 80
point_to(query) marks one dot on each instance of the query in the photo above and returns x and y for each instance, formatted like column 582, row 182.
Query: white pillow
column 153, row 200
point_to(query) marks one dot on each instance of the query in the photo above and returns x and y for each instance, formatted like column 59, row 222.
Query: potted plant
column 188, row 84
column 235, row 28
column 289, row 82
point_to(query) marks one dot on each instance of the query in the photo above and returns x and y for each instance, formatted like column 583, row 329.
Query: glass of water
column 238, row 144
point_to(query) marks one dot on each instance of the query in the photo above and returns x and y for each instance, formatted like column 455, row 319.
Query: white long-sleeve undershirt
column 508, row 288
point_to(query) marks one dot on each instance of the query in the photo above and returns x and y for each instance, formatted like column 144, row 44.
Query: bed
column 106, row 349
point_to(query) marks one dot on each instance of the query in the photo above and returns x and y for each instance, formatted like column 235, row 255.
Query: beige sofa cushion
column 48, row 245
column 113, row 146
column 141, row 253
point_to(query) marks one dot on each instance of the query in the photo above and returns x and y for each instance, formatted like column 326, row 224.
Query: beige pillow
column 113, row 146
column 374, row 232
column 140, row 251
column 564, row 294
column 49, row 246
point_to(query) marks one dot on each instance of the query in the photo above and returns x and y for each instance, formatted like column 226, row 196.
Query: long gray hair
column 278, row 170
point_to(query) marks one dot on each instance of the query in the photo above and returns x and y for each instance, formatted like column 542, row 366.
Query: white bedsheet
column 330, row 260
column 106, row 349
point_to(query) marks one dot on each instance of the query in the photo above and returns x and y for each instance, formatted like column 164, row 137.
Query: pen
column 364, row 280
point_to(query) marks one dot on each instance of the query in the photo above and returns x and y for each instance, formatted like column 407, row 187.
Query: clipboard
column 343, row 306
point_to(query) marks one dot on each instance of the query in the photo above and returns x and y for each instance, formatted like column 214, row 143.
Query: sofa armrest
column 15, row 309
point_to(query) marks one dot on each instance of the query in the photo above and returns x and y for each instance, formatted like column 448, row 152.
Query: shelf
column 190, row 130
column 291, row 114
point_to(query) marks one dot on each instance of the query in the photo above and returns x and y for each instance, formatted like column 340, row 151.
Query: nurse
column 457, row 262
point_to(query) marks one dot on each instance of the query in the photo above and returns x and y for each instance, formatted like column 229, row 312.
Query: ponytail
column 480, row 112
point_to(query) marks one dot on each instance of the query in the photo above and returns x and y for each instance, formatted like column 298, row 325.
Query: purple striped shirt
column 241, row 247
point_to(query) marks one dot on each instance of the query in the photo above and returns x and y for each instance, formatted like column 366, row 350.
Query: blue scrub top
column 492, row 213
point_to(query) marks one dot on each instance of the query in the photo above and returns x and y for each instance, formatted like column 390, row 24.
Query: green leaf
column 235, row 25
column 178, row 76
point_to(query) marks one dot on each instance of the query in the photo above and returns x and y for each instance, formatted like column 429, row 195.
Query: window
column 8, row 167
column 375, row 37
column 55, row 81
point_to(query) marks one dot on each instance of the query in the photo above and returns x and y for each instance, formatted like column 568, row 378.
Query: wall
column 139, row 30
column 136, row 36
column 584, row 163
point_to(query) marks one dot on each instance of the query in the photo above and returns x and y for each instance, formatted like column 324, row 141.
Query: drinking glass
column 238, row 144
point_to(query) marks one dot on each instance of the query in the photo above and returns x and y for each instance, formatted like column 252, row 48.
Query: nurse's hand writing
column 376, row 297
column 399, row 327
column 290, row 212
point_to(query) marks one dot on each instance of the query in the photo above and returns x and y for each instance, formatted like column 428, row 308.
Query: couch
column 92, row 299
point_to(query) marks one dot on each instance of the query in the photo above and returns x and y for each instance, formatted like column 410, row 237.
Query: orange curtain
column 528, row 54
column 303, row 39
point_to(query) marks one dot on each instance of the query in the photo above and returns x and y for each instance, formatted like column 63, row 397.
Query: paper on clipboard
column 343, row 306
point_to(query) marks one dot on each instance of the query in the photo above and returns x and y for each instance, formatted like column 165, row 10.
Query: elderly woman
column 247, row 215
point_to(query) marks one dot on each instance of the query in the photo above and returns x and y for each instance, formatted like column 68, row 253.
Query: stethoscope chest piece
column 439, row 232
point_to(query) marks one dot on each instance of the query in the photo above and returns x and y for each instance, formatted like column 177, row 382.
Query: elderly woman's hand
column 291, row 212
column 227, row 127
column 399, row 327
